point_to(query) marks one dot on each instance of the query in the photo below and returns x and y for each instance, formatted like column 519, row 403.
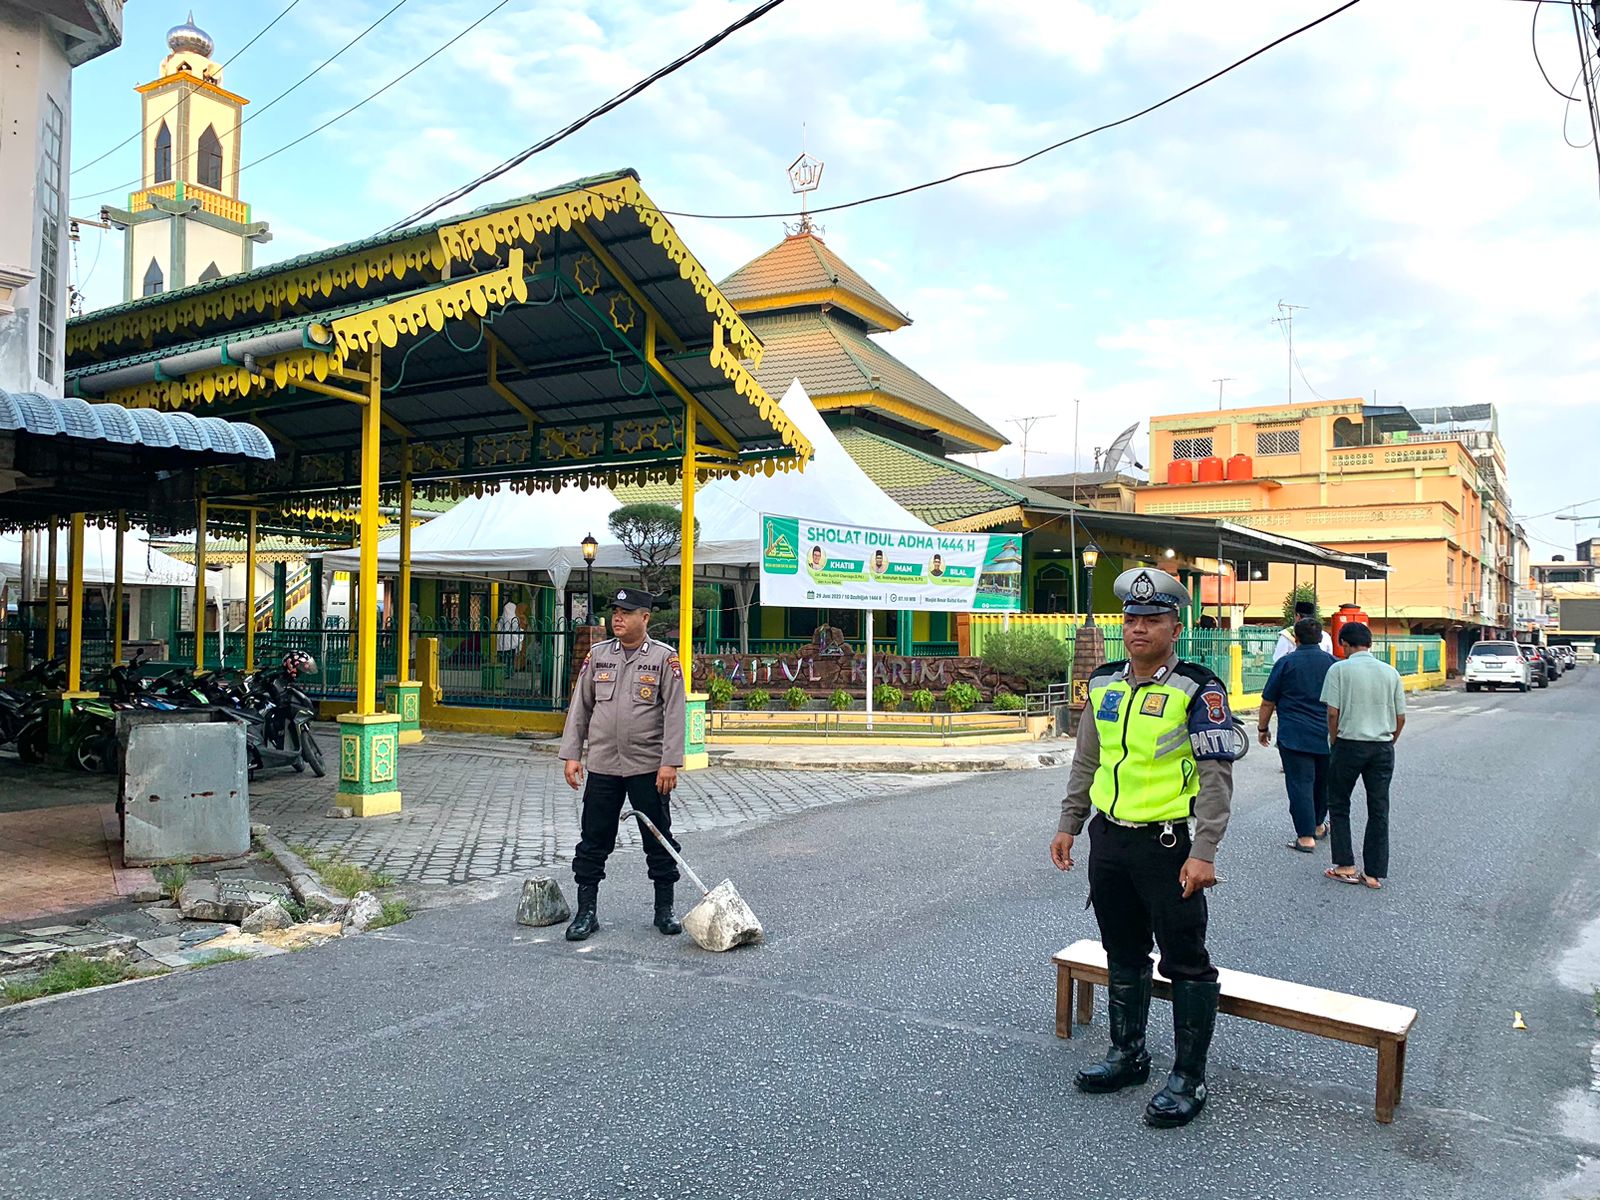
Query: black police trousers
column 1133, row 885
column 602, row 805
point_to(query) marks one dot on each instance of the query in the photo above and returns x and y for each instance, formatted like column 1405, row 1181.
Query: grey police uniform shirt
column 629, row 710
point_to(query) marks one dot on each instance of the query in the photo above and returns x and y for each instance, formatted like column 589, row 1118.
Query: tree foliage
column 651, row 534
column 1305, row 592
column 1035, row 656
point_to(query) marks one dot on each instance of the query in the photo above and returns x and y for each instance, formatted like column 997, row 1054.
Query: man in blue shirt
column 1294, row 692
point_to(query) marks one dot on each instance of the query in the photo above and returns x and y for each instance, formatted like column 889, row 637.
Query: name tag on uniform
column 1155, row 703
column 605, row 675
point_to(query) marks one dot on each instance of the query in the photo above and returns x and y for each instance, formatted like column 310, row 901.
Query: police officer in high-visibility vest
column 1154, row 760
column 628, row 711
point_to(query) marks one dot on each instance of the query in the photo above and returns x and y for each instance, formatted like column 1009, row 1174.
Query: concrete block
column 340, row 812
column 364, row 909
column 722, row 920
column 267, row 917
column 185, row 793
column 199, row 900
column 542, row 902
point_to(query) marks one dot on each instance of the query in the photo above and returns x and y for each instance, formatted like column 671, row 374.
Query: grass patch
column 394, row 911
column 172, row 878
column 67, row 974
column 343, row 877
column 222, row 956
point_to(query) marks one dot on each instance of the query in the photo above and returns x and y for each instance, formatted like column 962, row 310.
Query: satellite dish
column 1119, row 450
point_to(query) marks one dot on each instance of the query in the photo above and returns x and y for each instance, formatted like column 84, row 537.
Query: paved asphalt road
column 894, row 1037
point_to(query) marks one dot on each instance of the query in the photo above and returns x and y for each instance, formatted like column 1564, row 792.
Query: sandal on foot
column 1351, row 877
column 1302, row 849
column 1374, row 884
column 1320, row 832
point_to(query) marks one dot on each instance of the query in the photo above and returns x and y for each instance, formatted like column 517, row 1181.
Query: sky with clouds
column 1399, row 171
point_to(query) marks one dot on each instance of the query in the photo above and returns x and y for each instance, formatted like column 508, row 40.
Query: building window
column 1191, row 447
column 1251, row 569
column 163, row 163
column 1277, row 441
column 1449, row 569
column 211, row 159
column 210, row 273
column 50, row 213
column 153, row 281
column 1377, row 557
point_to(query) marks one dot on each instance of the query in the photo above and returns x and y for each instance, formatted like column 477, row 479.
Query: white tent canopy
column 491, row 535
column 142, row 564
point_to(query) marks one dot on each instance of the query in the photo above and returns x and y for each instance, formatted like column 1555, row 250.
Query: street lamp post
column 590, row 549
column 1090, row 555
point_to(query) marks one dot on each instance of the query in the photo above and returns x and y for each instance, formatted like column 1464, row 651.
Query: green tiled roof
column 939, row 490
column 831, row 357
column 803, row 263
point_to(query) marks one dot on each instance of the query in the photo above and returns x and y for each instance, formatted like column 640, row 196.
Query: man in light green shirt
column 1366, row 713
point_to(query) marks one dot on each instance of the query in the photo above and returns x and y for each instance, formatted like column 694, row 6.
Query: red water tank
column 1241, row 466
column 1348, row 614
column 1211, row 470
column 1180, row 470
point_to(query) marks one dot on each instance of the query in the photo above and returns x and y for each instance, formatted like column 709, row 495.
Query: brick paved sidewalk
column 476, row 808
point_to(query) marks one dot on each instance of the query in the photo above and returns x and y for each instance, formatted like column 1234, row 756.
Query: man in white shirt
column 1286, row 642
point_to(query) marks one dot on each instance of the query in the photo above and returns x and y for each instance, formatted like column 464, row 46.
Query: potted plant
column 921, row 700
column 840, row 700
column 961, row 696
column 1005, row 701
column 887, row 697
column 756, row 699
column 796, row 699
column 718, row 692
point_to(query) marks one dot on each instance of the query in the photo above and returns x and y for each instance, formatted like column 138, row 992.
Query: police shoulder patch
column 1155, row 703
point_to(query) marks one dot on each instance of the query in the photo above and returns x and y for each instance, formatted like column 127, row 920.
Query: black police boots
column 586, row 922
column 1194, row 1016
column 1127, row 1062
column 665, row 921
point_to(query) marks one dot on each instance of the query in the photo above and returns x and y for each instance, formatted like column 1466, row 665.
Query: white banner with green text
column 817, row 564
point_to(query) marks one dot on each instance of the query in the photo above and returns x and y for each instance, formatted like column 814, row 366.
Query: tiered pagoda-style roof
column 814, row 313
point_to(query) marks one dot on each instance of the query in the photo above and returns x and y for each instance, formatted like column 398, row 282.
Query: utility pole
column 1026, row 424
column 1219, row 383
column 1286, row 319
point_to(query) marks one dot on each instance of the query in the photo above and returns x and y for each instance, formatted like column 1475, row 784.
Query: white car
column 1497, row 664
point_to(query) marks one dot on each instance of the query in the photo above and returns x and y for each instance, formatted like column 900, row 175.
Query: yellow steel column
column 367, row 601
column 402, row 626
column 50, row 597
column 75, row 605
column 116, row 591
column 250, row 592
column 200, row 587
column 686, row 554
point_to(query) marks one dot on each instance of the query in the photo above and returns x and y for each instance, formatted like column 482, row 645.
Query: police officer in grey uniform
column 629, row 708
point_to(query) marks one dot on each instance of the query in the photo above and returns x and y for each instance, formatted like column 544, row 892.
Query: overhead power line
column 1027, row 158
column 169, row 112
column 374, row 95
column 615, row 102
column 280, row 96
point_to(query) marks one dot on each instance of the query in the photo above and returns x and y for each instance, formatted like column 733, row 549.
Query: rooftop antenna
column 1026, row 424
column 805, row 176
column 1219, row 383
column 1285, row 318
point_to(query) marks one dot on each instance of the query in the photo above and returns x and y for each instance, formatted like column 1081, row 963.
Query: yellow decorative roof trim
column 981, row 521
column 595, row 202
column 911, row 412
column 353, row 335
column 837, row 297
column 196, row 82
column 424, row 254
column 771, row 411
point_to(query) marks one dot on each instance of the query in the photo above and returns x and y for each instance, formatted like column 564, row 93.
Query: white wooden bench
column 1327, row 1014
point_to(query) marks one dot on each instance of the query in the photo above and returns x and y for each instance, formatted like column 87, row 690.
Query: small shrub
column 172, row 878
column 961, row 696
column 394, row 911
column 756, row 699
column 222, row 956
column 344, row 878
column 1035, row 656
column 921, row 700
column 840, row 700
column 67, row 974
column 887, row 697
column 1008, row 702
column 796, row 699
column 718, row 692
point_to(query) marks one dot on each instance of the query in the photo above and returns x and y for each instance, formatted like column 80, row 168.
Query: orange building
column 1420, row 489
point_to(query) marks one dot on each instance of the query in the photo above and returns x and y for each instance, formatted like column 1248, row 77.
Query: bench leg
column 1063, row 1001
column 1388, row 1079
column 1085, row 1002
column 1400, row 1071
